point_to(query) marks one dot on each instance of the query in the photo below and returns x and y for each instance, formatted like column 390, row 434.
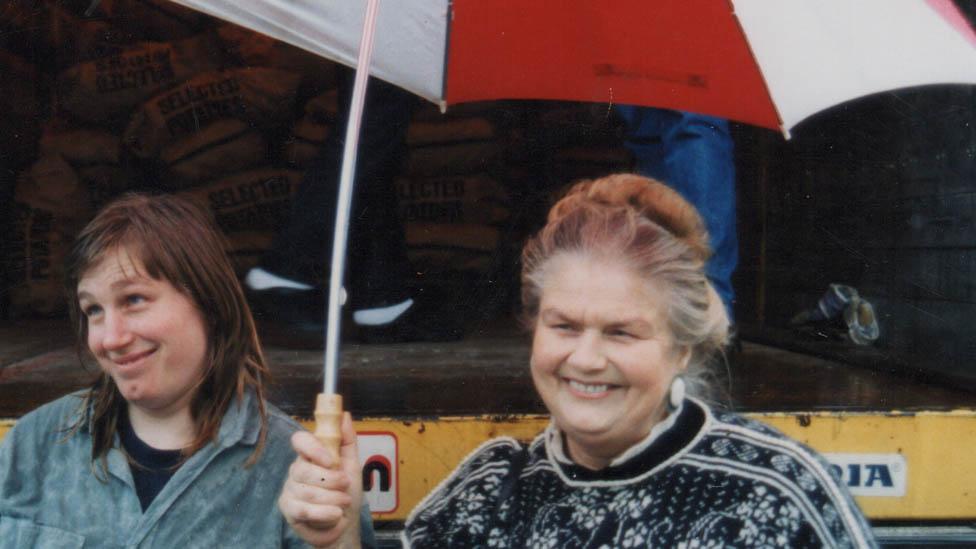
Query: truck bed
column 486, row 373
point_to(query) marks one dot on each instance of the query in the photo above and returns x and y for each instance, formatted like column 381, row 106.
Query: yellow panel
column 938, row 448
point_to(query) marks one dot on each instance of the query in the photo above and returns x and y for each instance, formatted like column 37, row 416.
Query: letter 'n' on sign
column 381, row 473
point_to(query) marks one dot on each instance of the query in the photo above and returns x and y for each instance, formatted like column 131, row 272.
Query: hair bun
column 651, row 198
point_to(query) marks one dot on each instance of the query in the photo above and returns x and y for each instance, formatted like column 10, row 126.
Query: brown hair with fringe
column 175, row 241
column 658, row 234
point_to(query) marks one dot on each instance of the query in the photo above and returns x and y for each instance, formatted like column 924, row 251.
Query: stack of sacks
column 247, row 48
column 249, row 207
column 146, row 96
column 80, row 161
column 451, row 202
column 212, row 136
column 104, row 91
column 50, row 207
column 223, row 138
column 47, row 201
column 93, row 154
column 219, row 138
column 308, row 131
column 212, row 124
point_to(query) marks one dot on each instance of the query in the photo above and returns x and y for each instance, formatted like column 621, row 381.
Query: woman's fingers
column 304, row 472
column 317, row 494
column 312, row 503
column 322, row 495
column 320, row 515
column 312, row 450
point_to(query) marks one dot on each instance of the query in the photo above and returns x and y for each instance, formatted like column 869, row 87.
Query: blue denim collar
column 240, row 424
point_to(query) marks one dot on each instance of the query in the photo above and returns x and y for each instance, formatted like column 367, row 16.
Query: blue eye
column 134, row 299
column 91, row 310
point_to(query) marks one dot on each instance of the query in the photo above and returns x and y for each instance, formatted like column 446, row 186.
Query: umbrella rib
column 447, row 44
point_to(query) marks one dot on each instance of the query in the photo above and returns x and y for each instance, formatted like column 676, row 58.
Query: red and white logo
column 381, row 473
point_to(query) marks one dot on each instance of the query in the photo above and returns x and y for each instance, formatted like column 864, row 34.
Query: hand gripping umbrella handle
column 328, row 422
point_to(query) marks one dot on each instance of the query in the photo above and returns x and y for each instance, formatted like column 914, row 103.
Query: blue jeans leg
column 692, row 153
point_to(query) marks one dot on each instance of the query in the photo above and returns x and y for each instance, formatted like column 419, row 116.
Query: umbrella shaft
column 344, row 204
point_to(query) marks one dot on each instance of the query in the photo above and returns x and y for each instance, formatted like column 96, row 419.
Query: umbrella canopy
column 770, row 63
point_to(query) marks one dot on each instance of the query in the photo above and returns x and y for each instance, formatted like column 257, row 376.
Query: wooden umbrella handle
column 328, row 421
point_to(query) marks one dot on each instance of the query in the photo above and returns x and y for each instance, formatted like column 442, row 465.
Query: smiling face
column 602, row 356
column 147, row 335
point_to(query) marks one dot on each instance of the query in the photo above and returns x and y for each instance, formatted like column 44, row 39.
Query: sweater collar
column 670, row 437
column 555, row 440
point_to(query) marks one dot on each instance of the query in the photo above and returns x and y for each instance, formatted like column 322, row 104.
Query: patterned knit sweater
column 707, row 480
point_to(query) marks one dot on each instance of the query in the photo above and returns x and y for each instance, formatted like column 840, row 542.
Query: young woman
column 173, row 445
column 624, row 326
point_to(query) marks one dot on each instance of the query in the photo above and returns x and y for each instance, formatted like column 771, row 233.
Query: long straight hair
column 176, row 241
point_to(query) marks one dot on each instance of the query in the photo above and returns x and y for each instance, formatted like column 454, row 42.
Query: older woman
column 173, row 445
column 624, row 325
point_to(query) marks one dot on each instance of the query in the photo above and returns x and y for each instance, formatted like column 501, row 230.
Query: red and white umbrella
column 770, row 63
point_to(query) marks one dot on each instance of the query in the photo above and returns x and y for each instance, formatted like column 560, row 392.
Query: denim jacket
column 52, row 495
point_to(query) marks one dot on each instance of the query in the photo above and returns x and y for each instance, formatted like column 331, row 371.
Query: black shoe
column 425, row 321
column 297, row 317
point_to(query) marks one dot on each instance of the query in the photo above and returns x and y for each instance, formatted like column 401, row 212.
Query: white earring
column 676, row 394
